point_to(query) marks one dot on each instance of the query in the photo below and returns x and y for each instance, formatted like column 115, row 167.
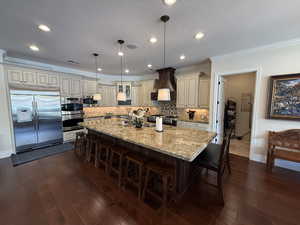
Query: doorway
column 237, row 99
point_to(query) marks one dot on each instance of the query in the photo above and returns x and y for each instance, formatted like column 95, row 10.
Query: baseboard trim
column 278, row 162
column 5, row 154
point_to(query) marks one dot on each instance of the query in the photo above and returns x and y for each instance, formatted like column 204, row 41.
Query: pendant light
column 96, row 96
column 121, row 95
column 164, row 93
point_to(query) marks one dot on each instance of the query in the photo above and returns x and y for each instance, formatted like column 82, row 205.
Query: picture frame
column 284, row 97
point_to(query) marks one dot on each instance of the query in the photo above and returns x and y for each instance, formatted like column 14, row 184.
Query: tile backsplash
column 115, row 110
column 168, row 108
column 200, row 114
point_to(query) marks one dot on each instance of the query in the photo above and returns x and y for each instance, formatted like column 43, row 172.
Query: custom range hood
column 166, row 80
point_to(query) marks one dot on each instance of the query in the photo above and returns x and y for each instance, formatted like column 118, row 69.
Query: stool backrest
column 225, row 149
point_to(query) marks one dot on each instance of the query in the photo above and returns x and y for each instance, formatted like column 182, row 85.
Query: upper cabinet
column 145, row 93
column 89, row 87
column 135, row 93
column 109, row 95
column 70, row 86
column 192, row 92
column 187, row 91
column 26, row 76
column 204, row 93
column 47, row 79
column 19, row 76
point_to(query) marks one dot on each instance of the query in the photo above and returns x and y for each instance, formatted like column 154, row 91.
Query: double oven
column 72, row 114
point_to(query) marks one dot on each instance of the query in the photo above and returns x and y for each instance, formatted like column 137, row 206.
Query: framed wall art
column 284, row 97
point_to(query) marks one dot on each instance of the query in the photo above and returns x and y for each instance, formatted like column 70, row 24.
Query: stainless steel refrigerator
column 36, row 118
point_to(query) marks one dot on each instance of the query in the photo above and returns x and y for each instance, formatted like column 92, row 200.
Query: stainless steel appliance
column 36, row 118
column 72, row 114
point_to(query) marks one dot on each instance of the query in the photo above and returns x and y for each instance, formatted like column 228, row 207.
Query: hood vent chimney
column 166, row 80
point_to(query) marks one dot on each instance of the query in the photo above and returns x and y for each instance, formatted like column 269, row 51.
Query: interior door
column 49, row 124
column 23, row 115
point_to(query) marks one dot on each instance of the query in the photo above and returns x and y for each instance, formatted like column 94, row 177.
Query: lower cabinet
column 71, row 135
column 194, row 125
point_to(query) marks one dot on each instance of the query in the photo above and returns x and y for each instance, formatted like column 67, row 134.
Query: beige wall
column 235, row 86
column 281, row 58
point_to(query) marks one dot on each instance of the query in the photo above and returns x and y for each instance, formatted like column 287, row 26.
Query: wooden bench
column 283, row 145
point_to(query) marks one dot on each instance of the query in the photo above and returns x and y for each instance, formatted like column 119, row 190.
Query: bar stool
column 155, row 170
column 91, row 147
column 135, row 166
column 117, row 155
column 102, row 154
column 80, row 144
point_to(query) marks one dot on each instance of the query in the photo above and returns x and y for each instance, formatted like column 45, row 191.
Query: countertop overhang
column 181, row 143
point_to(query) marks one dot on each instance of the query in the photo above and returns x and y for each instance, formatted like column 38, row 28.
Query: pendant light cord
column 164, row 59
column 96, row 63
column 121, row 70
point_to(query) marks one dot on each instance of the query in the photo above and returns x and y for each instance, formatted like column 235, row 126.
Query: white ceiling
column 80, row 28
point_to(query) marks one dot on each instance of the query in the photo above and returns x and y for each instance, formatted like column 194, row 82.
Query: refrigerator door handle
column 37, row 116
column 34, row 115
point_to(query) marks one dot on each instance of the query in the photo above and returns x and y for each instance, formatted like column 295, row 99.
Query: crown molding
column 276, row 45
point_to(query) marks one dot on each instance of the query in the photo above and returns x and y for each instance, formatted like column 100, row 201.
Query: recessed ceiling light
column 120, row 53
column 34, row 48
column 199, row 35
column 99, row 69
column 153, row 40
column 44, row 28
column 149, row 65
column 169, row 2
column 182, row 57
column 127, row 71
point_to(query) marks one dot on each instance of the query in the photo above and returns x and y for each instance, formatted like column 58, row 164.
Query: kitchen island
column 182, row 145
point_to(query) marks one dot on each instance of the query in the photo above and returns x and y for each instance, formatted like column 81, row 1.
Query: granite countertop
column 182, row 143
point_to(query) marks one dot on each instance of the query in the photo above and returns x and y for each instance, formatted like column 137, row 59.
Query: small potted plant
column 138, row 118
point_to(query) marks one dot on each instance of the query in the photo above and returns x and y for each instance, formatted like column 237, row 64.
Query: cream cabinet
column 187, row 92
column 65, row 86
column 145, row 93
column 109, row 95
column 47, row 79
column 19, row 76
column 192, row 92
column 135, row 93
column 89, row 87
column 76, row 90
column 204, row 93
column 70, row 86
column 53, row 80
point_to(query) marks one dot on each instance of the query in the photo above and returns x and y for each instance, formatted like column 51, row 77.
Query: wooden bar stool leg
column 145, row 184
column 126, row 170
column 165, row 191
column 120, row 170
column 97, row 152
column 140, row 188
column 107, row 164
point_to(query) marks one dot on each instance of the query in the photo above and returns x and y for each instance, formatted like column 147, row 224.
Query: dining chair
column 215, row 158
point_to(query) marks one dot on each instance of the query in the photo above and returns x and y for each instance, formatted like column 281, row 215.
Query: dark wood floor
column 60, row 190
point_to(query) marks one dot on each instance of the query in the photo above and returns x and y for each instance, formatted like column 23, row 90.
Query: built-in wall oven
column 72, row 114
